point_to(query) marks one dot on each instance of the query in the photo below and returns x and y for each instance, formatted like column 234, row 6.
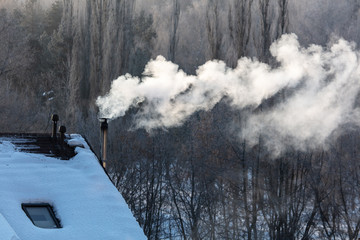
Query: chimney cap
column 62, row 129
column 55, row 117
column 104, row 124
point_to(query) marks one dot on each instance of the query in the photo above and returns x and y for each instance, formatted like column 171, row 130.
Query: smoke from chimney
column 324, row 84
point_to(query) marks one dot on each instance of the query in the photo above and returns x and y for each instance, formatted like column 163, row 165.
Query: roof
column 39, row 143
column 82, row 196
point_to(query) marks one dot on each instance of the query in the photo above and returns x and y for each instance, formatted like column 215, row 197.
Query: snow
column 6, row 231
column 74, row 142
column 84, row 199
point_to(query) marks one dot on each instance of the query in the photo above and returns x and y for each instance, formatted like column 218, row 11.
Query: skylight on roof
column 41, row 215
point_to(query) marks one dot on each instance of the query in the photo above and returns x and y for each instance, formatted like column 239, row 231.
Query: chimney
column 55, row 119
column 104, row 130
column 62, row 130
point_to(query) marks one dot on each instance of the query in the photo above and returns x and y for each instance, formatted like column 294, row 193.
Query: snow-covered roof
column 82, row 196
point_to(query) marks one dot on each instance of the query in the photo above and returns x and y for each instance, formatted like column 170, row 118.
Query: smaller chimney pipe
column 55, row 119
column 62, row 130
column 104, row 130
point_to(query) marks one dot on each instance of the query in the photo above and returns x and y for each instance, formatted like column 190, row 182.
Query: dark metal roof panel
column 39, row 143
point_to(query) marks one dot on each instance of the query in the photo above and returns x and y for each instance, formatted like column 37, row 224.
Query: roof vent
column 62, row 130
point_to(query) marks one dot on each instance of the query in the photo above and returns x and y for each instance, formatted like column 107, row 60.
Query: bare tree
column 175, row 16
column 213, row 28
column 14, row 51
column 239, row 18
column 283, row 22
column 264, row 7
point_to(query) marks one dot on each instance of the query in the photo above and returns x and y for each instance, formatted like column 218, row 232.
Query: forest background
column 198, row 180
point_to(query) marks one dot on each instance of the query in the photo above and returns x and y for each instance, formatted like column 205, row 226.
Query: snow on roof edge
column 7, row 232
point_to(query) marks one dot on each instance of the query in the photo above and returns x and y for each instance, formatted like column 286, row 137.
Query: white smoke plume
column 324, row 84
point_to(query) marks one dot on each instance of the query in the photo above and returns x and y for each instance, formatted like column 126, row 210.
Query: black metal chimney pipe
column 104, row 130
column 55, row 119
column 62, row 130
